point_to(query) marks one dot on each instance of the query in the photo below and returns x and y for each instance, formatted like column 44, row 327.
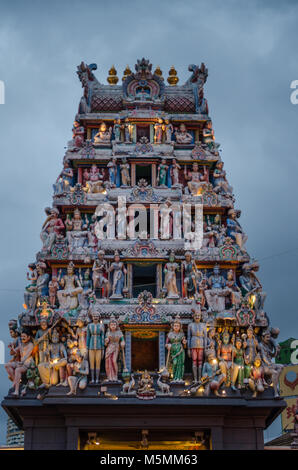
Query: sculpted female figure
column 112, row 167
column 114, row 340
column 119, row 272
column 176, row 343
column 52, row 228
column 170, row 283
column 191, row 274
column 71, row 288
column 174, row 171
column 162, row 173
column 95, row 345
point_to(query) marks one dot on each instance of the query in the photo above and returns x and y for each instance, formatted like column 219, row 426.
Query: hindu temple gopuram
column 143, row 324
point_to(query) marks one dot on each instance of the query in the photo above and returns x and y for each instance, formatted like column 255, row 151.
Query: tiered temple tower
column 143, row 295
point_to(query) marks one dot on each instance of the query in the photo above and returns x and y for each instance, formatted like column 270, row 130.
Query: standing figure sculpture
column 169, row 131
column 95, row 346
column 225, row 357
column 221, row 185
column 174, row 172
column 175, row 344
column 117, row 130
column 234, row 229
column 78, row 133
column 158, row 128
column 114, row 341
column 112, row 167
column 119, row 274
column 52, row 228
column 251, row 287
column 162, row 173
column 196, row 343
column 124, row 171
column 269, row 351
column 99, row 269
column 170, row 282
column 191, row 276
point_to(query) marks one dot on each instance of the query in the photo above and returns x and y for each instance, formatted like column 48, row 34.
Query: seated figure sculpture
column 182, row 136
column 71, row 288
column 104, row 134
column 217, row 291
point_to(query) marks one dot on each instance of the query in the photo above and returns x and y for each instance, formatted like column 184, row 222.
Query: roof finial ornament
column 126, row 73
column 112, row 78
column 173, row 78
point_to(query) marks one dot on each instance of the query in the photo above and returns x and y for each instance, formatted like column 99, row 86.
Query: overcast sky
column 250, row 49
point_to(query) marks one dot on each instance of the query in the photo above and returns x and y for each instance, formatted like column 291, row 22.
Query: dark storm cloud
column 250, row 49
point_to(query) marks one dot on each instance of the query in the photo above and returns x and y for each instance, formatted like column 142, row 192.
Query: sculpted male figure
column 196, row 343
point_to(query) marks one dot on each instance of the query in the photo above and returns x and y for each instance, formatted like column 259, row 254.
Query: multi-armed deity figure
column 99, row 273
column 70, row 289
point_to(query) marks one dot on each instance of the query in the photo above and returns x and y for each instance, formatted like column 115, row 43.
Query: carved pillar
column 134, row 133
column 133, row 174
column 197, row 134
column 162, row 350
column 129, row 279
column 154, row 220
column 158, row 279
column 128, row 350
column 89, row 133
column 153, row 174
column 80, row 175
column 152, row 133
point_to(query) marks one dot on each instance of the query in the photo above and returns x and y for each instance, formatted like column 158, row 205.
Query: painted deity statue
column 174, row 172
column 114, row 341
column 81, row 336
column 221, row 185
column 119, row 272
column 112, row 167
column 76, row 233
column 37, row 288
column 57, row 360
column 182, row 136
column 95, row 180
column 127, row 131
column 234, row 290
column 95, row 346
column 225, row 357
column 256, row 381
column 52, row 228
column 124, row 171
column 162, row 173
column 238, row 365
column 16, row 369
column 79, row 377
column 86, row 283
column 117, row 130
column 176, row 343
column 71, row 288
column 169, row 129
column 251, row 345
column 268, row 351
column 217, row 291
column 30, row 289
column 53, row 288
column 103, row 136
column 196, row 343
column 251, row 287
column 191, row 275
column 234, row 229
column 78, row 133
column 170, row 282
column 64, row 180
column 210, row 374
column 158, row 128
column 197, row 180
column 99, row 274
column 42, row 339
column 208, row 134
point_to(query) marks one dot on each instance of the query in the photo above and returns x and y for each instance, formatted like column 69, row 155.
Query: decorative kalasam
column 109, row 274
